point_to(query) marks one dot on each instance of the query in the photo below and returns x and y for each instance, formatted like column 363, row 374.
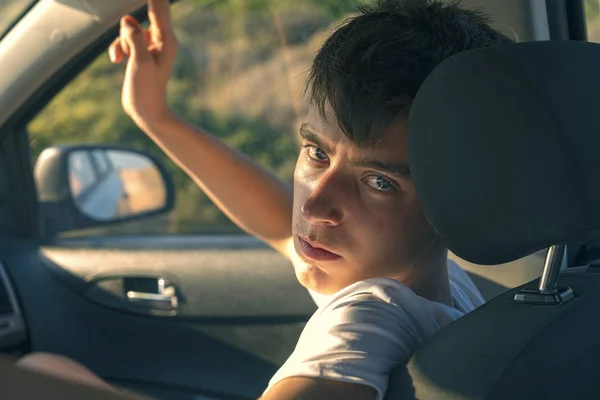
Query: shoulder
column 385, row 290
column 357, row 337
column 379, row 315
column 371, row 308
column 361, row 334
column 385, row 305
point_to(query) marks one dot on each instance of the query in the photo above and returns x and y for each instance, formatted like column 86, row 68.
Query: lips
column 312, row 251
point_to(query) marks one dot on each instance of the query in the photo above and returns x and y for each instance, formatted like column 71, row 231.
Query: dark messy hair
column 369, row 70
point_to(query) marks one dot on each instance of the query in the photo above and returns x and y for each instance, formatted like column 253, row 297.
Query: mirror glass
column 114, row 184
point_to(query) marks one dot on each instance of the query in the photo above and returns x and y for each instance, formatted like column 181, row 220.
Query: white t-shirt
column 363, row 331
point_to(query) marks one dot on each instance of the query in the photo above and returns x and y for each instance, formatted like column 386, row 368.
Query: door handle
column 152, row 300
column 165, row 300
column 148, row 295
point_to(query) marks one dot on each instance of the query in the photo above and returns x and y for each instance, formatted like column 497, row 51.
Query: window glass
column 592, row 16
column 239, row 74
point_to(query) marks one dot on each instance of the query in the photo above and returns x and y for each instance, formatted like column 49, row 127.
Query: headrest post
column 548, row 291
column 549, row 278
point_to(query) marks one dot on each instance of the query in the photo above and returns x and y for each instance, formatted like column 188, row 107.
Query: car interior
column 513, row 138
column 511, row 190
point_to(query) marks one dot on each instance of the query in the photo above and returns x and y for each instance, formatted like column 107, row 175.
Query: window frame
column 15, row 21
column 21, row 175
column 566, row 19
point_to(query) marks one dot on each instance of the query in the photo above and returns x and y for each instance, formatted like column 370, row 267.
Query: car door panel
column 261, row 282
column 203, row 353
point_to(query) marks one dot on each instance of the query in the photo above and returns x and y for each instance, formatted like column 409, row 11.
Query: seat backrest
column 507, row 350
column 503, row 147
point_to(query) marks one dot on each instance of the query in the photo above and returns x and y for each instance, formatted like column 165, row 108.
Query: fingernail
column 131, row 24
column 111, row 54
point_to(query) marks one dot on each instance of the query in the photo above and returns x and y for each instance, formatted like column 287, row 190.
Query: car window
column 592, row 16
column 10, row 11
column 239, row 74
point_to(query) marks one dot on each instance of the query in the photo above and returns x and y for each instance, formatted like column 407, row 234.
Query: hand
column 150, row 56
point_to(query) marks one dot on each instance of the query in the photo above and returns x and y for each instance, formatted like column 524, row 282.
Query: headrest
column 504, row 148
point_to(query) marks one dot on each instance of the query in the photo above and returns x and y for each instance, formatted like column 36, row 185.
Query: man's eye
column 317, row 154
column 380, row 183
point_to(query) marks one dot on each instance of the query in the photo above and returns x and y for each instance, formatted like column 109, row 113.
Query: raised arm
column 251, row 196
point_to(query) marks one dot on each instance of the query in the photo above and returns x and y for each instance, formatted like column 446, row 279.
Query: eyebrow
column 310, row 136
column 391, row 168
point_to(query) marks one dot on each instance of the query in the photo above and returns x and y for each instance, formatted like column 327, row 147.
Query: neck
column 436, row 286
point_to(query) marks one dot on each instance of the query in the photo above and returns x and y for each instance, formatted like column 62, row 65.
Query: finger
column 133, row 35
column 159, row 15
column 124, row 47
column 122, row 40
column 115, row 51
column 148, row 36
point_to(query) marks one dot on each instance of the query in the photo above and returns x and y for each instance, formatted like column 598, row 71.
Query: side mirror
column 87, row 186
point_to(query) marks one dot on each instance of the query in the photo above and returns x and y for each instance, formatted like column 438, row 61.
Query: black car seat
column 504, row 147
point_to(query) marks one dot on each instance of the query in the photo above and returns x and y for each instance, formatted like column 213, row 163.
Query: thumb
column 133, row 36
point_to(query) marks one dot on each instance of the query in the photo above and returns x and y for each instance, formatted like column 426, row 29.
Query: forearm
column 318, row 389
column 247, row 193
column 250, row 195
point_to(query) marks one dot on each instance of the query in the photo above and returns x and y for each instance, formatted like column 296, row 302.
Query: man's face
column 356, row 212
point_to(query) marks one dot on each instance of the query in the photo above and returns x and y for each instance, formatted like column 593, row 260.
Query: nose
column 323, row 206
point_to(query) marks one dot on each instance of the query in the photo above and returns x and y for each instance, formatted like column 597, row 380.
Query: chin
column 314, row 278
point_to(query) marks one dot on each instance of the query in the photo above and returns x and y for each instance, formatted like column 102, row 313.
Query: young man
column 353, row 226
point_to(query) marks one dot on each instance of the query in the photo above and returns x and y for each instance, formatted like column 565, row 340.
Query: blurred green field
column 239, row 75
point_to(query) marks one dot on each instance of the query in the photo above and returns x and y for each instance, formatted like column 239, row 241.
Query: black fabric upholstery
column 504, row 148
column 508, row 350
